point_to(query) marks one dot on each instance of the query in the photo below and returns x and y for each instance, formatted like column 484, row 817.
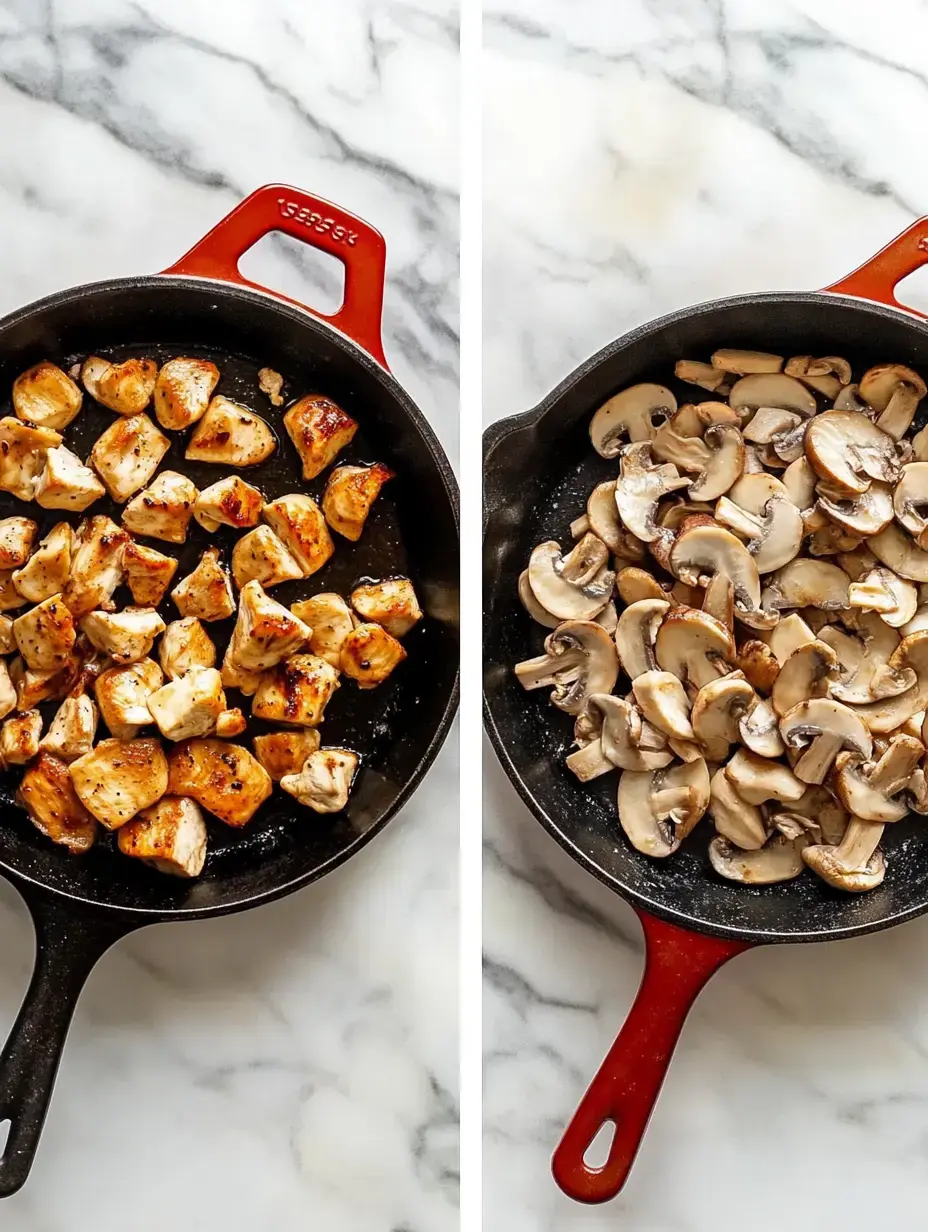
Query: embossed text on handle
column 316, row 222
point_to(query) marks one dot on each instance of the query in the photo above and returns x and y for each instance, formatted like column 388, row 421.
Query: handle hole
column 912, row 291
column 596, row 1154
column 306, row 274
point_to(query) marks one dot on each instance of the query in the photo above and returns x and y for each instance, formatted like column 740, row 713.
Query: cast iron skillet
column 203, row 306
column 539, row 468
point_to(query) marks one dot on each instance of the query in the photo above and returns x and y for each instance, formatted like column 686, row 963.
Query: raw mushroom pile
column 74, row 645
column 768, row 661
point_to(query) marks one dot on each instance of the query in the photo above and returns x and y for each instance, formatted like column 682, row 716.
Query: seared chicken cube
column 46, row 635
column 369, row 654
column 271, row 383
column 7, row 637
column 319, row 428
column 231, row 434
column 170, row 836
column 34, row 686
column 223, row 778
column 120, row 778
column 164, row 509
column 324, row 781
column 10, row 598
column 349, row 495
column 300, row 525
column 125, row 388
column 230, row 723
column 23, row 451
column 206, row 592
column 392, row 604
column 127, row 455
column 296, row 691
column 7, row 691
column 17, row 536
column 148, row 573
column 46, row 397
column 125, row 636
column 47, row 570
column 330, row 619
column 188, row 706
column 185, row 645
column 19, row 738
column 96, row 564
column 73, row 729
column 284, row 752
column 183, row 390
column 265, row 631
column 66, row 483
column 122, row 694
column 48, row 796
column 245, row 679
column 228, row 502
column 260, row 556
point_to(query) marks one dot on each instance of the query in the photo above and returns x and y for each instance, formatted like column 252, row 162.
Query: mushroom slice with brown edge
column 725, row 464
column 621, row 741
column 319, row 429
column 127, row 454
column 662, row 700
column 148, row 573
column 170, row 836
column 116, row 780
column 807, row 583
column 694, row 646
column 228, row 502
column 231, row 434
column 799, row 480
column 888, row 713
column 639, row 488
column 863, row 671
column 827, row 727
column 630, row 414
column 324, row 782
column 689, row 453
column 730, row 359
column 856, row 864
column 183, row 391
column 771, row 389
column 882, row 591
column 634, row 584
column 125, row 388
column 910, row 497
column 757, row 661
column 893, row 548
column 526, row 596
column 827, row 376
column 717, row 711
column 780, row 859
column 895, row 391
column 46, row 571
column 769, row 423
column 223, row 778
column 700, row 553
column 759, row 730
column 847, row 451
column 791, row 633
column 866, row 514
column 759, row 508
column 164, row 509
column 806, row 673
column 206, row 592
column 694, row 372
column 866, row 790
column 48, row 796
column 734, row 818
column 46, row 397
column 568, row 586
column 72, row 730
column 298, row 522
column 296, row 691
column 758, row 779
column 659, row 808
column 603, row 520
column 349, row 496
column 579, row 660
column 719, row 599
column 635, row 634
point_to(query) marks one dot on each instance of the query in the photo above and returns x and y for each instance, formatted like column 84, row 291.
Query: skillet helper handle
column 318, row 223
column 68, row 945
column 878, row 278
column 677, row 966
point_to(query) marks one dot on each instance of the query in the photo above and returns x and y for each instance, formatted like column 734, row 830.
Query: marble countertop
column 297, row 1065
column 633, row 165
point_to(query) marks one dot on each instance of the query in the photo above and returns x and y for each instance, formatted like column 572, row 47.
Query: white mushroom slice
column 183, row 390
column 163, row 510
column 889, row 713
column 635, row 633
column 799, row 481
column 694, row 646
column 550, row 576
column 23, row 451
column 694, row 372
column 188, row 706
column 125, row 388
column 771, row 389
column 206, row 592
column 64, row 482
column 170, row 836
column 19, row 739
column 791, row 633
column 918, row 622
column 392, row 603
column 590, row 762
column 148, row 573
column 639, row 488
column 700, row 553
column 758, row 779
column 349, row 495
column 827, row 727
column 299, row 523
column 734, row 818
column 857, row 562
column 72, row 730
column 125, row 636
column 893, row 548
column 759, row 730
column 265, row 632
column 843, row 447
column 319, row 429
column 633, row 584
column 185, row 646
column 725, row 463
column 770, row 422
column 806, row 673
column 820, row 807
column 580, row 526
column 780, row 859
column 807, row 583
column 630, row 414
column 826, row 376
column 228, row 502
column 261, row 556
column 330, row 620
column 526, row 597
column 602, row 518
column 662, row 700
column 624, row 740
column 895, row 391
column 719, row 599
column 127, row 455
column 730, row 359
column 675, row 512
column 689, row 453
column 882, row 591
column 717, row 713
column 296, row 691
column 324, row 782
column 658, row 809
column 45, row 635
column 46, row 397
column 867, row 791
column 910, row 498
column 759, row 508
column 856, row 864
column 46, row 571
column 117, row 779
column 863, row 671
column 579, row 660
column 866, row 514
column 231, row 434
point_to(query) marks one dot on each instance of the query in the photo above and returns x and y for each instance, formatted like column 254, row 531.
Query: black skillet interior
column 412, row 531
column 539, row 470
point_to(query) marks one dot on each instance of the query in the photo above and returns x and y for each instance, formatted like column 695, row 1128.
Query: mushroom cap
column 598, row 662
column 759, row 730
column 705, row 550
column 831, row 727
column 807, row 583
column 532, row 606
column 895, row 390
column 806, row 673
column 736, row 819
column 629, row 413
column 843, row 446
column 772, row 389
column 635, row 635
column 911, row 495
column 657, row 810
column 694, row 646
column 888, row 713
column 893, row 548
column 757, row 779
column 780, row 859
column 766, row 497
column 725, row 464
column 717, row 711
column 624, row 739
column 638, row 489
column 821, row 859
column 855, row 791
column 866, row 514
column 561, row 597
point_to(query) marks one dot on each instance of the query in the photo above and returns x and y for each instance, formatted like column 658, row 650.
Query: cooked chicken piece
column 125, row 388
column 183, row 390
column 72, row 729
column 34, row 686
column 369, row 654
column 48, row 796
column 7, row 637
column 10, row 598
column 7, row 691
column 392, row 603
column 260, row 556
column 265, row 631
column 164, row 509
column 330, row 619
column 45, row 635
column 206, row 592
column 46, row 397
column 120, row 778
column 66, row 483
column 170, row 836
column 349, row 495
column 285, row 752
column 185, row 645
column 122, row 694
column 47, row 570
column 228, row 502
column 19, row 738
column 189, row 706
column 223, row 778
column 96, row 564
column 324, row 782
column 17, row 536
column 23, row 451
column 127, row 454
column 246, row 680
column 319, row 428
column 299, row 523
column 296, row 691
column 230, row 723
column 271, row 383
column 148, row 573
column 231, row 434
column 125, row 636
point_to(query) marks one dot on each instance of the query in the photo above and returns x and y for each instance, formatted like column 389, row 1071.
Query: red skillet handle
column 878, row 278
column 278, row 207
column 677, row 965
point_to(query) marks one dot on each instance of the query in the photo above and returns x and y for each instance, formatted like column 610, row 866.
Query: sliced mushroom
column 895, row 391
column 730, row 359
column 602, row 516
column 888, row 713
column 757, row 779
column 892, row 547
column 827, row 727
column 657, row 810
column 780, row 859
column 843, row 447
column 910, row 498
column 704, row 375
column 856, row 864
column 551, row 577
column 734, row 818
column 623, row 736
column 638, row 489
column 580, row 659
column 689, row 453
column 863, row 673
column 827, row 376
column 532, row 606
column 759, row 730
column 635, row 635
column 662, row 700
column 806, row 673
column 630, row 413
column 694, row 646
column 724, row 465
column 791, row 633
column 867, row 790
column 866, row 514
column 698, row 554
column 882, row 591
column 718, row 711
column 807, row 583
column 719, row 599
column 771, row 389
column 759, row 508
column 634, row 584
column 769, row 423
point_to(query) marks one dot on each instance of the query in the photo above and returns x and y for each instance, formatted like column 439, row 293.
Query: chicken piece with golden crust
column 46, row 571
column 188, row 706
column 170, row 836
column 300, row 525
column 122, row 694
column 265, row 631
column 7, row 639
column 206, row 592
column 223, row 778
column 120, row 778
column 296, row 691
column 72, row 730
column 162, row 510
column 125, row 388
column 46, row 397
column 46, row 635
column 10, row 598
column 369, row 654
column 127, row 454
column 230, row 434
column 228, row 502
column 349, row 495
column 324, row 781
column 148, row 573
column 284, row 752
column 17, row 537
column 245, row 679
column 34, row 686
column 23, row 451
column 48, row 796
column 271, row 383
column 185, row 646
column 392, row 603
column 260, row 556
column 7, row 691
column 319, row 429
column 230, row 723
column 19, row 738
column 125, row 636
column 330, row 619
column 183, row 390
column 66, row 483
column 96, row 565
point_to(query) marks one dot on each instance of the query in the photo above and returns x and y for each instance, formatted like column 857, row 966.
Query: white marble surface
column 296, row 1066
column 638, row 158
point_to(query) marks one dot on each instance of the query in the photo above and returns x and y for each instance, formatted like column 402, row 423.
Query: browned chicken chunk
column 164, row 509
column 284, row 752
column 392, row 603
column 7, row 640
column 228, row 502
column 23, row 450
column 17, row 536
column 170, row 836
column 230, row 723
column 206, row 592
column 96, row 565
column 119, row 779
column 66, row 483
column 125, row 388
column 349, row 495
column 125, row 636
column 299, row 524
column 72, row 730
column 185, row 645
column 46, row 397
column 296, row 691
column 148, row 573
column 122, row 694
column 188, row 706
column 19, row 738
column 324, row 781
column 35, row 686
column 183, row 390
column 260, row 556
column 330, row 619
column 47, row 570
column 223, row 778
column 369, row 654
column 271, row 383
column 127, row 455
column 10, row 598
column 265, row 631
column 45, row 635
column 48, row 796
column 319, row 429
column 230, row 434
column 7, row 691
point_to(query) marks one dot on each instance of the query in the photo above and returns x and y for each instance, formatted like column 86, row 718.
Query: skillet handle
column 278, row 207
column 677, row 966
column 68, row 944
column 878, row 278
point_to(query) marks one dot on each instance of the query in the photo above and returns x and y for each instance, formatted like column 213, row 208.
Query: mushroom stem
column 738, row 519
column 861, row 839
column 814, row 764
